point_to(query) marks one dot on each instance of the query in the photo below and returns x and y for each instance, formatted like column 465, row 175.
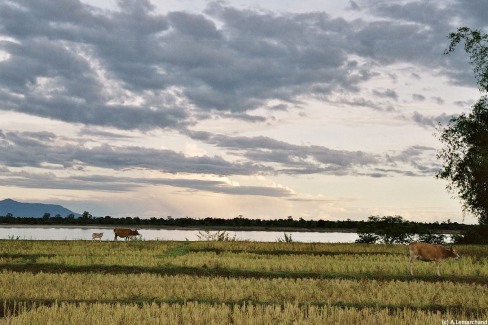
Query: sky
column 262, row 109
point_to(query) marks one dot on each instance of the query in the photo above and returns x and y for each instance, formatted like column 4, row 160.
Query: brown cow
column 125, row 233
column 430, row 253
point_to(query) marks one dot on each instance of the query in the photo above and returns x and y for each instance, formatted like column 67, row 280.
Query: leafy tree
column 476, row 235
column 465, row 155
column 388, row 230
column 433, row 238
column 366, row 237
column 86, row 216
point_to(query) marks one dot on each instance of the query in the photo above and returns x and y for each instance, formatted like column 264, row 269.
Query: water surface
column 72, row 233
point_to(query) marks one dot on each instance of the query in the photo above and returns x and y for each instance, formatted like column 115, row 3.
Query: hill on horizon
column 33, row 210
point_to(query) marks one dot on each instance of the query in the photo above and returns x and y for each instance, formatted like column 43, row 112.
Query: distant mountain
column 36, row 210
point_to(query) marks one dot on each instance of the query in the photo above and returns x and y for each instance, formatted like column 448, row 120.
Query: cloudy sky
column 266, row 109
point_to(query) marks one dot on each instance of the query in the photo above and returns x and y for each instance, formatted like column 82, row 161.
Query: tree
column 388, row 230
column 86, row 215
column 465, row 155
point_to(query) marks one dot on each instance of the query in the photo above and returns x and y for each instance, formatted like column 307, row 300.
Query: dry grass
column 63, row 282
column 196, row 313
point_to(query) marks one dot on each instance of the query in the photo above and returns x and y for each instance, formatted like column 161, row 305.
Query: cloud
column 387, row 93
column 418, row 97
column 288, row 158
column 430, row 121
column 253, row 156
column 128, row 184
column 426, row 45
column 34, row 150
column 420, row 161
column 134, row 68
column 353, row 6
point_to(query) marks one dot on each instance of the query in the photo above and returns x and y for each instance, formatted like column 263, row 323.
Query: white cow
column 97, row 235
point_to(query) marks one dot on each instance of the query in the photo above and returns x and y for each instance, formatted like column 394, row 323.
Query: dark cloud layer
column 38, row 149
column 133, row 68
column 256, row 155
column 126, row 184
column 288, row 158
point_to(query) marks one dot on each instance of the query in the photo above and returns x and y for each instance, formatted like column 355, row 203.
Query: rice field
column 155, row 282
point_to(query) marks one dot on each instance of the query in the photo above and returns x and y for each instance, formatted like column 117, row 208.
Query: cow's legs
column 412, row 257
column 115, row 238
column 437, row 264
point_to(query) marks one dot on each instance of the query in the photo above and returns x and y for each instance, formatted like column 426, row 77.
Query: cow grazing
column 430, row 253
column 125, row 233
column 97, row 235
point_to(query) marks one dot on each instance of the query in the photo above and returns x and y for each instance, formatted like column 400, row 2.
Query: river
column 85, row 233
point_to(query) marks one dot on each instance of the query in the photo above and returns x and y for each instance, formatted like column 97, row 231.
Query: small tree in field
column 387, row 230
column 465, row 155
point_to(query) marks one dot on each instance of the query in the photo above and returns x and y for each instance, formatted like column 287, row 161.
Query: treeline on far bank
column 386, row 229
column 87, row 219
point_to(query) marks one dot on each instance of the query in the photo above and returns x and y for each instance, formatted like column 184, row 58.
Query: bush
column 387, row 230
column 395, row 230
column 286, row 239
column 217, row 236
column 432, row 238
column 368, row 238
column 475, row 235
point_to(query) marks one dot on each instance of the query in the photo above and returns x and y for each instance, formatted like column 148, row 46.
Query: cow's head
column 136, row 233
column 453, row 253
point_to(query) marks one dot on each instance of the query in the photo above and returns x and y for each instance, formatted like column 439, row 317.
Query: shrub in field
column 286, row 238
column 432, row 238
column 395, row 230
column 217, row 236
column 367, row 237
column 475, row 235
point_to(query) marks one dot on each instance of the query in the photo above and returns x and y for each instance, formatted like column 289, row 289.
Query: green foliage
column 216, row 236
column 465, row 154
column 465, row 157
column 476, row 235
column 476, row 45
column 367, row 237
column 394, row 230
column 430, row 237
column 86, row 215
